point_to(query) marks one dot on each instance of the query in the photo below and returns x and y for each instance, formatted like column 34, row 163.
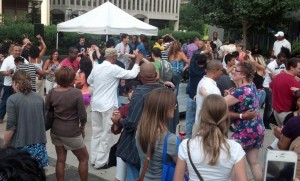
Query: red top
column 282, row 95
column 67, row 63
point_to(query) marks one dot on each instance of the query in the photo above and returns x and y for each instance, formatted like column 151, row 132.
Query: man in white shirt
column 280, row 42
column 216, row 40
column 105, row 78
column 123, row 50
column 273, row 68
column 208, row 85
column 7, row 69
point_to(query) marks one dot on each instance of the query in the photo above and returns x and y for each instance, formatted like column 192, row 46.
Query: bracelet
column 241, row 116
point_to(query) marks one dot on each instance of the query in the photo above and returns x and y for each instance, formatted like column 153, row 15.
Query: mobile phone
column 280, row 165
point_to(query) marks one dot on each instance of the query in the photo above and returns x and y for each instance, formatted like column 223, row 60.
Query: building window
column 94, row 3
column 58, row 2
column 63, row 2
column 53, row 2
column 77, row 2
column 83, row 2
column 72, row 2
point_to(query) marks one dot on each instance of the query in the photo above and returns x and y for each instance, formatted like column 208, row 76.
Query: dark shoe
column 268, row 127
column 1, row 121
column 106, row 166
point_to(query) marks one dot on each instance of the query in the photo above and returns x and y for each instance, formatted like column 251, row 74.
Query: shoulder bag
column 49, row 114
column 168, row 167
column 189, row 154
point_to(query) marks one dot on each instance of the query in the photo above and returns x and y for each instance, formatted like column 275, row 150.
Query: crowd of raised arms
column 131, row 88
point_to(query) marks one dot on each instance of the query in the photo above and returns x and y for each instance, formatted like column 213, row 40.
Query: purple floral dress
column 249, row 133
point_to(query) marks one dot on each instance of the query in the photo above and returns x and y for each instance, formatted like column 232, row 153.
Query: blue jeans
column 261, row 97
column 7, row 91
column 268, row 107
column 190, row 116
column 132, row 173
column 176, row 80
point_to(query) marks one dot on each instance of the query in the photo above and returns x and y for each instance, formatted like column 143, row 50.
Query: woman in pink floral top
column 243, row 99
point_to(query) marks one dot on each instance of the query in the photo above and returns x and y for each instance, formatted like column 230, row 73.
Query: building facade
column 160, row 13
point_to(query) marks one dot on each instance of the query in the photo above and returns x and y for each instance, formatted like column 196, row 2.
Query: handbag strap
column 146, row 164
column 189, row 154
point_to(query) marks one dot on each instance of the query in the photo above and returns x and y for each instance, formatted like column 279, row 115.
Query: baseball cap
column 279, row 33
column 110, row 52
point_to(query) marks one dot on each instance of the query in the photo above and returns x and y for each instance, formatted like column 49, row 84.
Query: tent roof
column 107, row 19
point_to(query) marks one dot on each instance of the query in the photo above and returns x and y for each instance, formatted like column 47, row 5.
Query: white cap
column 279, row 33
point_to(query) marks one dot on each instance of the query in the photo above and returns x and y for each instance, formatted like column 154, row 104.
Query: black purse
column 49, row 115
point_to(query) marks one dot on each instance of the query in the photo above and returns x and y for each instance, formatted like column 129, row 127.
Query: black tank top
column 258, row 80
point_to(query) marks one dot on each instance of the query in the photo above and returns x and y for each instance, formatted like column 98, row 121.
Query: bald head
column 147, row 73
column 213, row 65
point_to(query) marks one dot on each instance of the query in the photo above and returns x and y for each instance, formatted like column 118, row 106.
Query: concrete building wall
column 143, row 9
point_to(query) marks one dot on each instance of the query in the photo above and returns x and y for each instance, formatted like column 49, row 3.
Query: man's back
column 126, row 148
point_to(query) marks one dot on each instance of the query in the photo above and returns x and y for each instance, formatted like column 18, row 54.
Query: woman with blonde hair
column 259, row 76
column 152, row 131
column 209, row 154
column 177, row 59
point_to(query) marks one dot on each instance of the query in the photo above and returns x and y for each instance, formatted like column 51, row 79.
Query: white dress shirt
column 105, row 78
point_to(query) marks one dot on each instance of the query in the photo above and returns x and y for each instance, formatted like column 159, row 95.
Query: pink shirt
column 67, row 63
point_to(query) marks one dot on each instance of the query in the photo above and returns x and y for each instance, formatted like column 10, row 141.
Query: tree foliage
column 190, row 18
column 245, row 14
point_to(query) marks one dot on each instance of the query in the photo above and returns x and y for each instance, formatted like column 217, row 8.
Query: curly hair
column 248, row 69
column 23, row 80
column 34, row 52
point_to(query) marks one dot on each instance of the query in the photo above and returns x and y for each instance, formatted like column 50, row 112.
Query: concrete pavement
column 109, row 174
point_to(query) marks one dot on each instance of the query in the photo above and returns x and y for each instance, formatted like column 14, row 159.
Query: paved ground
column 109, row 174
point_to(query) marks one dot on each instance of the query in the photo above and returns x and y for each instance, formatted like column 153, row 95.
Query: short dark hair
column 65, row 76
column 156, row 52
column 228, row 58
column 17, row 164
column 34, row 52
column 201, row 59
column 110, row 42
column 231, row 41
column 235, row 54
column 19, row 59
column 292, row 62
column 124, row 36
column 281, row 54
column 73, row 49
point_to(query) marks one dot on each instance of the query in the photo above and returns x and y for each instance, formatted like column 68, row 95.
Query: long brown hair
column 23, row 80
column 154, row 117
column 214, row 117
column 175, row 48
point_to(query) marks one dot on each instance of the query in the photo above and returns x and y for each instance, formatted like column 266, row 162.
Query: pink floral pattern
column 249, row 133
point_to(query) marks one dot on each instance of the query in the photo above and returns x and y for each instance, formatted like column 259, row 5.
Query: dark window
column 77, row 2
column 72, row 2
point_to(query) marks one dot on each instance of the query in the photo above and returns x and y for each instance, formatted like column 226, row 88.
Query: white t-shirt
column 9, row 64
column 211, row 88
column 123, row 52
column 278, row 44
column 275, row 68
column 224, row 166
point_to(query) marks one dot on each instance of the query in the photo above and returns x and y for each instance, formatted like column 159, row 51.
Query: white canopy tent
column 107, row 19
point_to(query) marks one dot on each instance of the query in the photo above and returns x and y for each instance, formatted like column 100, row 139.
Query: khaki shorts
column 70, row 143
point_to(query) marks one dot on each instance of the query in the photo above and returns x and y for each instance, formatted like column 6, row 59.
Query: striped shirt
column 31, row 70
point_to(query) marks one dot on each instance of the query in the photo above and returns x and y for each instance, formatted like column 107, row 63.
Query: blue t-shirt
column 142, row 48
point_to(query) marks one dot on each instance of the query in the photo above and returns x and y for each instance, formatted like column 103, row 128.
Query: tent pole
column 57, row 41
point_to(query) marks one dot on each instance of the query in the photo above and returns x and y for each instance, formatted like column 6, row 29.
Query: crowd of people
column 228, row 88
